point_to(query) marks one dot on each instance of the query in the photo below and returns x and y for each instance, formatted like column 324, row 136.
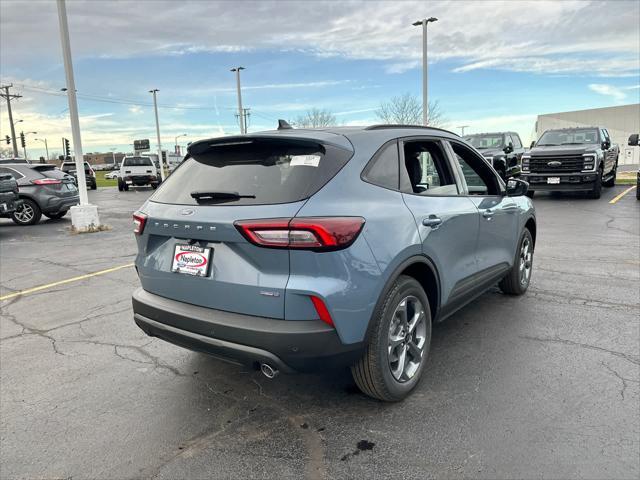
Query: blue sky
column 496, row 66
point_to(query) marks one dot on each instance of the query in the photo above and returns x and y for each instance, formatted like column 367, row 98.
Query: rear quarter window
column 262, row 170
column 137, row 162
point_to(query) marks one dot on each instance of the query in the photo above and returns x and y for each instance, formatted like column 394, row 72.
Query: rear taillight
column 308, row 233
column 46, row 181
column 139, row 220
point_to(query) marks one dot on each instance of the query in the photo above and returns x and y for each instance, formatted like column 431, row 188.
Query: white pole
column 155, row 107
column 73, row 103
column 243, row 127
column 425, row 103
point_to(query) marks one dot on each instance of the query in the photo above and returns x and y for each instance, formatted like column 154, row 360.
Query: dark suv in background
column 571, row 160
column 89, row 174
column 43, row 189
column 503, row 150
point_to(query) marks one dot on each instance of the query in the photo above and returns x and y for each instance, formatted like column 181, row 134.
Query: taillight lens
column 322, row 310
column 307, row 233
column 46, row 181
column 139, row 220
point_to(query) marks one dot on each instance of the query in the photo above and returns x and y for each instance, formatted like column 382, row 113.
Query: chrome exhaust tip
column 268, row 371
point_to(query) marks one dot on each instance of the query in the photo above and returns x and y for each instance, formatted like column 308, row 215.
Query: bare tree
column 315, row 118
column 407, row 110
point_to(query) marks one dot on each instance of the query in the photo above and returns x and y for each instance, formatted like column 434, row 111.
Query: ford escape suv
column 293, row 250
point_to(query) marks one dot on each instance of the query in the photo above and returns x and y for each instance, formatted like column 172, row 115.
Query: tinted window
column 11, row 172
column 137, row 162
column 478, row 175
column 516, row 142
column 508, row 140
column 426, row 170
column 568, row 137
column 383, row 168
column 68, row 166
column 489, row 140
column 265, row 170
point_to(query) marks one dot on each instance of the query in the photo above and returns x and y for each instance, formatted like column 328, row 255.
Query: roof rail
column 383, row 126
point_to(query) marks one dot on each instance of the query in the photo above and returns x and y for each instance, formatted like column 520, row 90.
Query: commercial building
column 621, row 121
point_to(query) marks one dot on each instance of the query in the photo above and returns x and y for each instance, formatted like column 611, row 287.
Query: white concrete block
column 84, row 218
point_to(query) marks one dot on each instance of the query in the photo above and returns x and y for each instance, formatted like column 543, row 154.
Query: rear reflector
column 307, row 233
column 322, row 310
column 46, row 181
column 139, row 220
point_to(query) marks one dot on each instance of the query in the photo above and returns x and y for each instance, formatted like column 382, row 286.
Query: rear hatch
column 137, row 167
column 221, row 182
column 54, row 180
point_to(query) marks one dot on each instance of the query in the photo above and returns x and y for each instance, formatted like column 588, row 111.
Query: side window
column 477, row 174
column 382, row 169
column 11, row 172
column 426, row 170
column 516, row 141
column 508, row 140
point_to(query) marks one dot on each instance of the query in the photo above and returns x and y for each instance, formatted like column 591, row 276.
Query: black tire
column 154, row 185
column 28, row 214
column 373, row 372
column 611, row 182
column 94, row 186
column 120, row 185
column 125, row 187
column 55, row 216
column 530, row 193
column 513, row 283
column 597, row 186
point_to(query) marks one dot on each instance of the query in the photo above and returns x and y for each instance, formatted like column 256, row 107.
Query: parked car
column 112, row 175
column 571, row 159
column 9, row 198
column 633, row 142
column 13, row 160
column 503, row 150
column 137, row 171
column 294, row 250
column 43, row 189
column 89, row 174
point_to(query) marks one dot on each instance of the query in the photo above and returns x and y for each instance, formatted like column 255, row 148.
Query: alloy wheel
column 526, row 256
column 25, row 214
column 407, row 338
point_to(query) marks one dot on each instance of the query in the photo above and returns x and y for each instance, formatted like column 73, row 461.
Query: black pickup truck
column 9, row 199
column 571, row 159
column 501, row 149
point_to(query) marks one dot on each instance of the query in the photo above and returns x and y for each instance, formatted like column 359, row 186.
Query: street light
column 46, row 147
column 462, row 127
column 243, row 127
column 17, row 122
column 24, row 148
column 176, row 142
column 155, row 107
column 424, row 22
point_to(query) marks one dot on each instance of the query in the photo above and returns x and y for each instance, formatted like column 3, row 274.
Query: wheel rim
column 25, row 214
column 407, row 338
column 526, row 256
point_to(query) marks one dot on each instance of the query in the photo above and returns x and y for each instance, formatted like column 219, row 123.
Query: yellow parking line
column 62, row 282
column 622, row 194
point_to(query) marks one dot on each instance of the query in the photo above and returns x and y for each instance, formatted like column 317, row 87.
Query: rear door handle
column 432, row 221
column 488, row 213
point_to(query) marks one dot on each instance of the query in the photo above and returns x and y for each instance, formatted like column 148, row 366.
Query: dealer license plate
column 191, row 260
column 553, row 180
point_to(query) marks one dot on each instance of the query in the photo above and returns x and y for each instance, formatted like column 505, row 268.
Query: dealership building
column 620, row 121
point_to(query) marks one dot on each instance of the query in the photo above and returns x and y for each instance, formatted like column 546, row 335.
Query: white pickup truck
column 138, row 172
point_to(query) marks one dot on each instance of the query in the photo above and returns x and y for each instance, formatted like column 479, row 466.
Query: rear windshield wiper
column 221, row 196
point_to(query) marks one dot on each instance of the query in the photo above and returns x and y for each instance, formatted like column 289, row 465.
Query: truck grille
column 556, row 164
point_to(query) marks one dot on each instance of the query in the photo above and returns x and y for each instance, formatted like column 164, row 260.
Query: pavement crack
column 630, row 358
column 620, row 377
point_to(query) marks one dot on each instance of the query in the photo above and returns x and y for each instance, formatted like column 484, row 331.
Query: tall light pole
column 462, row 127
column 176, row 142
column 425, row 104
column 8, row 96
column 46, row 147
column 84, row 217
column 243, row 127
column 24, row 147
column 155, row 107
column 113, row 155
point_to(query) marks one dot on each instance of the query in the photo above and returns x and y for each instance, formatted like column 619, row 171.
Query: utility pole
column 245, row 115
column 7, row 96
column 462, row 127
column 84, row 217
column 46, row 147
column 425, row 87
column 176, row 147
column 155, row 107
column 243, row 126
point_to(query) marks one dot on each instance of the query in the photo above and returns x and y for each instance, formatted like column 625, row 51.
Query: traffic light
column 22, row 142
column 67, row 149
column 7, row 139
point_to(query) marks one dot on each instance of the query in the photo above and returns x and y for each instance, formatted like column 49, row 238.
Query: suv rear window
column 68, row 166
column 261, row 170
column 137, row 162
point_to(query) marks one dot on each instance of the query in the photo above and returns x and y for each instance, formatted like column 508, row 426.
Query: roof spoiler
column 284, row 125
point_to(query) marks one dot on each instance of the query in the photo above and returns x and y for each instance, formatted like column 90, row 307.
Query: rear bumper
column 569, row 182
column 287, row 345
column 140, row 180
column 8, row 202
column 59, row 204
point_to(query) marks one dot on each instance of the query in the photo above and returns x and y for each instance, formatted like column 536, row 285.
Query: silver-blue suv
column 293, row 250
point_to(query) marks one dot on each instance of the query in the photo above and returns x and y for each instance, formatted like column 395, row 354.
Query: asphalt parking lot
column 541, row 386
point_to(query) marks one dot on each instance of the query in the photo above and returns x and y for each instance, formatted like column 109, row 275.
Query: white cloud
column 536, row 36
column 136, row 110
column 609, row 90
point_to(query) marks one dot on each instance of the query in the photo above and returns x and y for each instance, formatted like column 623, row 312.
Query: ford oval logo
column 555, row 163
column 187, row 211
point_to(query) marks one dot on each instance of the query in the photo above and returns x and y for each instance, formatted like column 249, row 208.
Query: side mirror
column 533, row 144
column 516, row 187
column 606, row 144
column 633, row 140
column 508, row 148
